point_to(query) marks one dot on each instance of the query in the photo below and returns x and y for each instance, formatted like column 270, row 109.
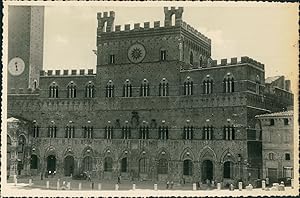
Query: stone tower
column 25, row 47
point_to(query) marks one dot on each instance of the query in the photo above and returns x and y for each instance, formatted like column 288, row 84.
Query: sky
column 268, row 33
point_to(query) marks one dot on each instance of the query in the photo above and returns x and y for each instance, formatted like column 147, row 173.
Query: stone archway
column 51, row 164
column 69, row 165
column 207, row 170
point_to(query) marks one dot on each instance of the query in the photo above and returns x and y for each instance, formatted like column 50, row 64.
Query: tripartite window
column 71, row 90
column 126, row 131
column 188, row 86
column 109, row 89
column 144, row 91
column 208, row 133
column 70, row 130
column 52, row 129
column 228, row 83
column 163, row 132
column 109, row 132
column 207, row 85
column 88, row 132
column 144, row 131
column 163, row 87
column 127, row 89
column 53, row 90
column 188, row 132
column 228, row 133
column 89, row 90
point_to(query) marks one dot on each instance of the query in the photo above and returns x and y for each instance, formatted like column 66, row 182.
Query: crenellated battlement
column 73, row 72
column 234, row 61
column 189, row 28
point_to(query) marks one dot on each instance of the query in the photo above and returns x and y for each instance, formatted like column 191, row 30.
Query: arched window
column 124, row 165
column 228, row 83
column 162, row 166
column 144, row 91
column 110, row 89
column 191, row 58
column 87, row 163
column 127, row 89
column 163, row 87
column 229, row 132
column 88, row 132
column 35, row 130
column 173, row 20
column 108, row 164
column 188, row 86
column 126, row 131
column 33, row 161
column 188, row 131
column 207, row 133
column 52, row 129
column 71, row 90
column 227, row 170
column 109, row 132
column 144, row 165
column 34, row 84
column 207, row 85
column 53, row 90
column 104, row 27
column 70, row 130
column 257, row 84
column 144, row 131
column 163, row 132
column 163, row 54
column 271, row 156
column 187, row 167
column 89, row 90
column 21, row 143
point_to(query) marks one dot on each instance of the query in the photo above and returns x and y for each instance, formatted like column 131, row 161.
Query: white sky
column 268, row 34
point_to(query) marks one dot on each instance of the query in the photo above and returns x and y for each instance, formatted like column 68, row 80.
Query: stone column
column 13, row 159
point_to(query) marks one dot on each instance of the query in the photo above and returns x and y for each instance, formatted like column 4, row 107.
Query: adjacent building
column 158, row 107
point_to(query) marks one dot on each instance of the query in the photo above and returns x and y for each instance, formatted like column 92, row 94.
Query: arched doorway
column 162, row 167
column 87, row 164
column 51, row 164
column 108, row 164
column 34, row 162
column 207, row 170
column 69, row 165
column 124, row 167
column 187, row 167
column 228, row 170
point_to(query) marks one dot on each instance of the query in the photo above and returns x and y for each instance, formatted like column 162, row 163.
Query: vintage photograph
column 125, row 99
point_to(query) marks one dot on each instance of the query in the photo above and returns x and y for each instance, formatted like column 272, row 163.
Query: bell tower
column 25, row 47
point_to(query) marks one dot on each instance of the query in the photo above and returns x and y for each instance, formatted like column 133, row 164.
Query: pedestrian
column 119, row 179
column 172, row 184
column 89, row 177
column 92, row 185
column 41, row 175
column 167, row 184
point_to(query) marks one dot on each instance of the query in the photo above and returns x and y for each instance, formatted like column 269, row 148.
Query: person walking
column 167, row 184
column 119, row 179
column 172, row 184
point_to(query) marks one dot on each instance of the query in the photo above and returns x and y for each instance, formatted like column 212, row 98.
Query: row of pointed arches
column 163, row 88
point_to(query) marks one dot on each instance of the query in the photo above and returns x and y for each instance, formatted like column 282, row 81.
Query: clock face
column 16, row 66
column 136, row 53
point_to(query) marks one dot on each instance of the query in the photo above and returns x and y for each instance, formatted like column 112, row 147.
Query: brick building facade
column 158, row 107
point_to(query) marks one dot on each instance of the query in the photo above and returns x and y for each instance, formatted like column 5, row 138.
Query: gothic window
column 188, row 86
column 108, row 164
column 52, row 129
column 71, row 90
column 228, row 133
column 70, row 130
column 187, row 167
column 88, row 132
column 162, row 166
column 127, row 89
column 126, row 132
column 53, row 90
column 21, row 143
column 89, row 90
column 144, row 132
column 109, row 132
column 271, row 156
column 143, row 165
column 163, row 132
column 228, row 83
column 191, row 58
column 163, row 54
column 188, row 132
column 207, row 133
column 144, row 91
column 34, row 84
column 111, row 59
column 207, row 85
column 163, row 87
column 110, row 89
column 35, row 131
